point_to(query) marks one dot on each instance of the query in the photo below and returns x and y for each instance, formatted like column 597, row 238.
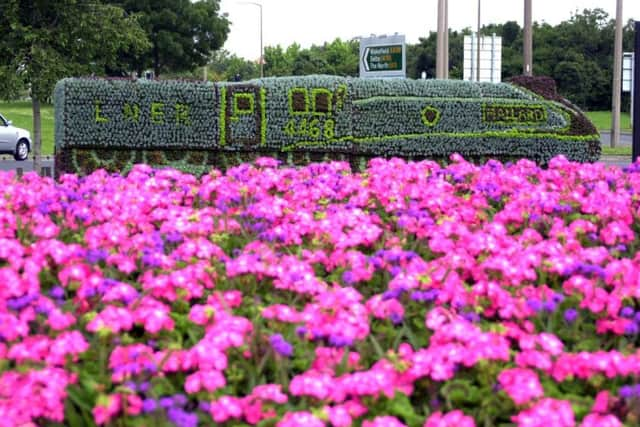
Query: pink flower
column 339, row 416
column 598, row 420
column 312, row 384
column 106, row 408
column 383, row 421
column 270, row 392
column 112, row 319
column 437, row 317
column 204, row 380
column 300, row 419
column 225, row 408
column 545, row 413
column 522, row 385
column 601, row 403
column 455, row 418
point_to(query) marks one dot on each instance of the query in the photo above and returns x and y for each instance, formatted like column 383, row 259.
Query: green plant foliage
column 314, row 114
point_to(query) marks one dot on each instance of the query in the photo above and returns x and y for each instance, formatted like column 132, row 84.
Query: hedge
column 202, row 124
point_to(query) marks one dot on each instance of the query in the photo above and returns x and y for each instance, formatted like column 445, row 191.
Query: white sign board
column 490, row 58
column 383, row 56
column 627, row 72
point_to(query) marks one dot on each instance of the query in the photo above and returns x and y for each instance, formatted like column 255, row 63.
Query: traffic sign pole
column 636, row 95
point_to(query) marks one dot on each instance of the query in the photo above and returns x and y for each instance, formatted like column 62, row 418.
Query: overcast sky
column 310, row 22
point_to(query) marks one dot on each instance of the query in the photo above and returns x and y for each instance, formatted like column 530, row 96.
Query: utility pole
column 527, row 68
column 478, row 46
column 440, row 42
column 635, row 150
column 617, row 78
column 445, row 58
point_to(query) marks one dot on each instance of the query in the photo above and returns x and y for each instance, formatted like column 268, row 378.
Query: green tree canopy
column 51, row 39
column 183, row 34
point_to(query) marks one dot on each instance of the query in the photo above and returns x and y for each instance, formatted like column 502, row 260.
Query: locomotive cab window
column 243, row 103
column 322, row 100
column 298, row 101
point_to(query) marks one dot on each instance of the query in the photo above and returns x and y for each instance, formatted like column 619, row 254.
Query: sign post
column 490, row 58
column 636, row 95
column 627, row 77
column 383, row 56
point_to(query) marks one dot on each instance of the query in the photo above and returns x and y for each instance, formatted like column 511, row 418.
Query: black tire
column 22, row 150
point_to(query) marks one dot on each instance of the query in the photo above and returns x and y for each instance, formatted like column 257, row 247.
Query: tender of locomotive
column 193, row 126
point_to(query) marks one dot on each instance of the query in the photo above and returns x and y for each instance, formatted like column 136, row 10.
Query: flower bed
column 192, row 126
column 409, row 294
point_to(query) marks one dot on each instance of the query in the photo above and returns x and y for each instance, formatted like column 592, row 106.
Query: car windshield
column 3, row 121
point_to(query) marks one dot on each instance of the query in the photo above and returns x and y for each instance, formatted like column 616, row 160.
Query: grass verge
column 21, row 114
column 602, row 120
column 617, row 151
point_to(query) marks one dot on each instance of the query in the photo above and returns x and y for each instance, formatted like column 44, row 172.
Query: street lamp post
column 528, row 40
column 478, row 45
column 261, row 46
column 617, row 77
column 442, row 50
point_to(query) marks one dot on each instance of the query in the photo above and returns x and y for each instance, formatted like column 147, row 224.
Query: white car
column 14, row 140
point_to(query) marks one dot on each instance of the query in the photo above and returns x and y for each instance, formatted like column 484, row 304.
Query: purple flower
column 166, row 402
column 534, row 305
column 425, row 296
column 549, row 306
column 149, row 405
column 280, row 345
column 57, row 292
column 131, row 385
column 471, row 316
column 392, row 294
column 180, row 400
column 182, row 418
column 41, row 309
column 94, row 256
column 627, row 312
column 627, row 392
column 174, row 237
column 631, row 329
column 348, row 277
column 339, row 341
column 570, row 315
column 44, row 207
column 396, row 318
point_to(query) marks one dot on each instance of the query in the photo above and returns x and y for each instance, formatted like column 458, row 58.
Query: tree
column 279, row 62
column 225, row 66
column 183, row 34
column 341, row 57
column 52, row 39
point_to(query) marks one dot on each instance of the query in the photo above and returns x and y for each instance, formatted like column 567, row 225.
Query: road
column 625, row 139
column 26, row 166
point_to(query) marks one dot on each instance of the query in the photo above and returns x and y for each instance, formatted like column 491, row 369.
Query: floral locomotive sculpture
column 193, row 126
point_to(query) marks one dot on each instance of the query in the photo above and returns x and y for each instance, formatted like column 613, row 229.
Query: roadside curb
column 9, row 157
